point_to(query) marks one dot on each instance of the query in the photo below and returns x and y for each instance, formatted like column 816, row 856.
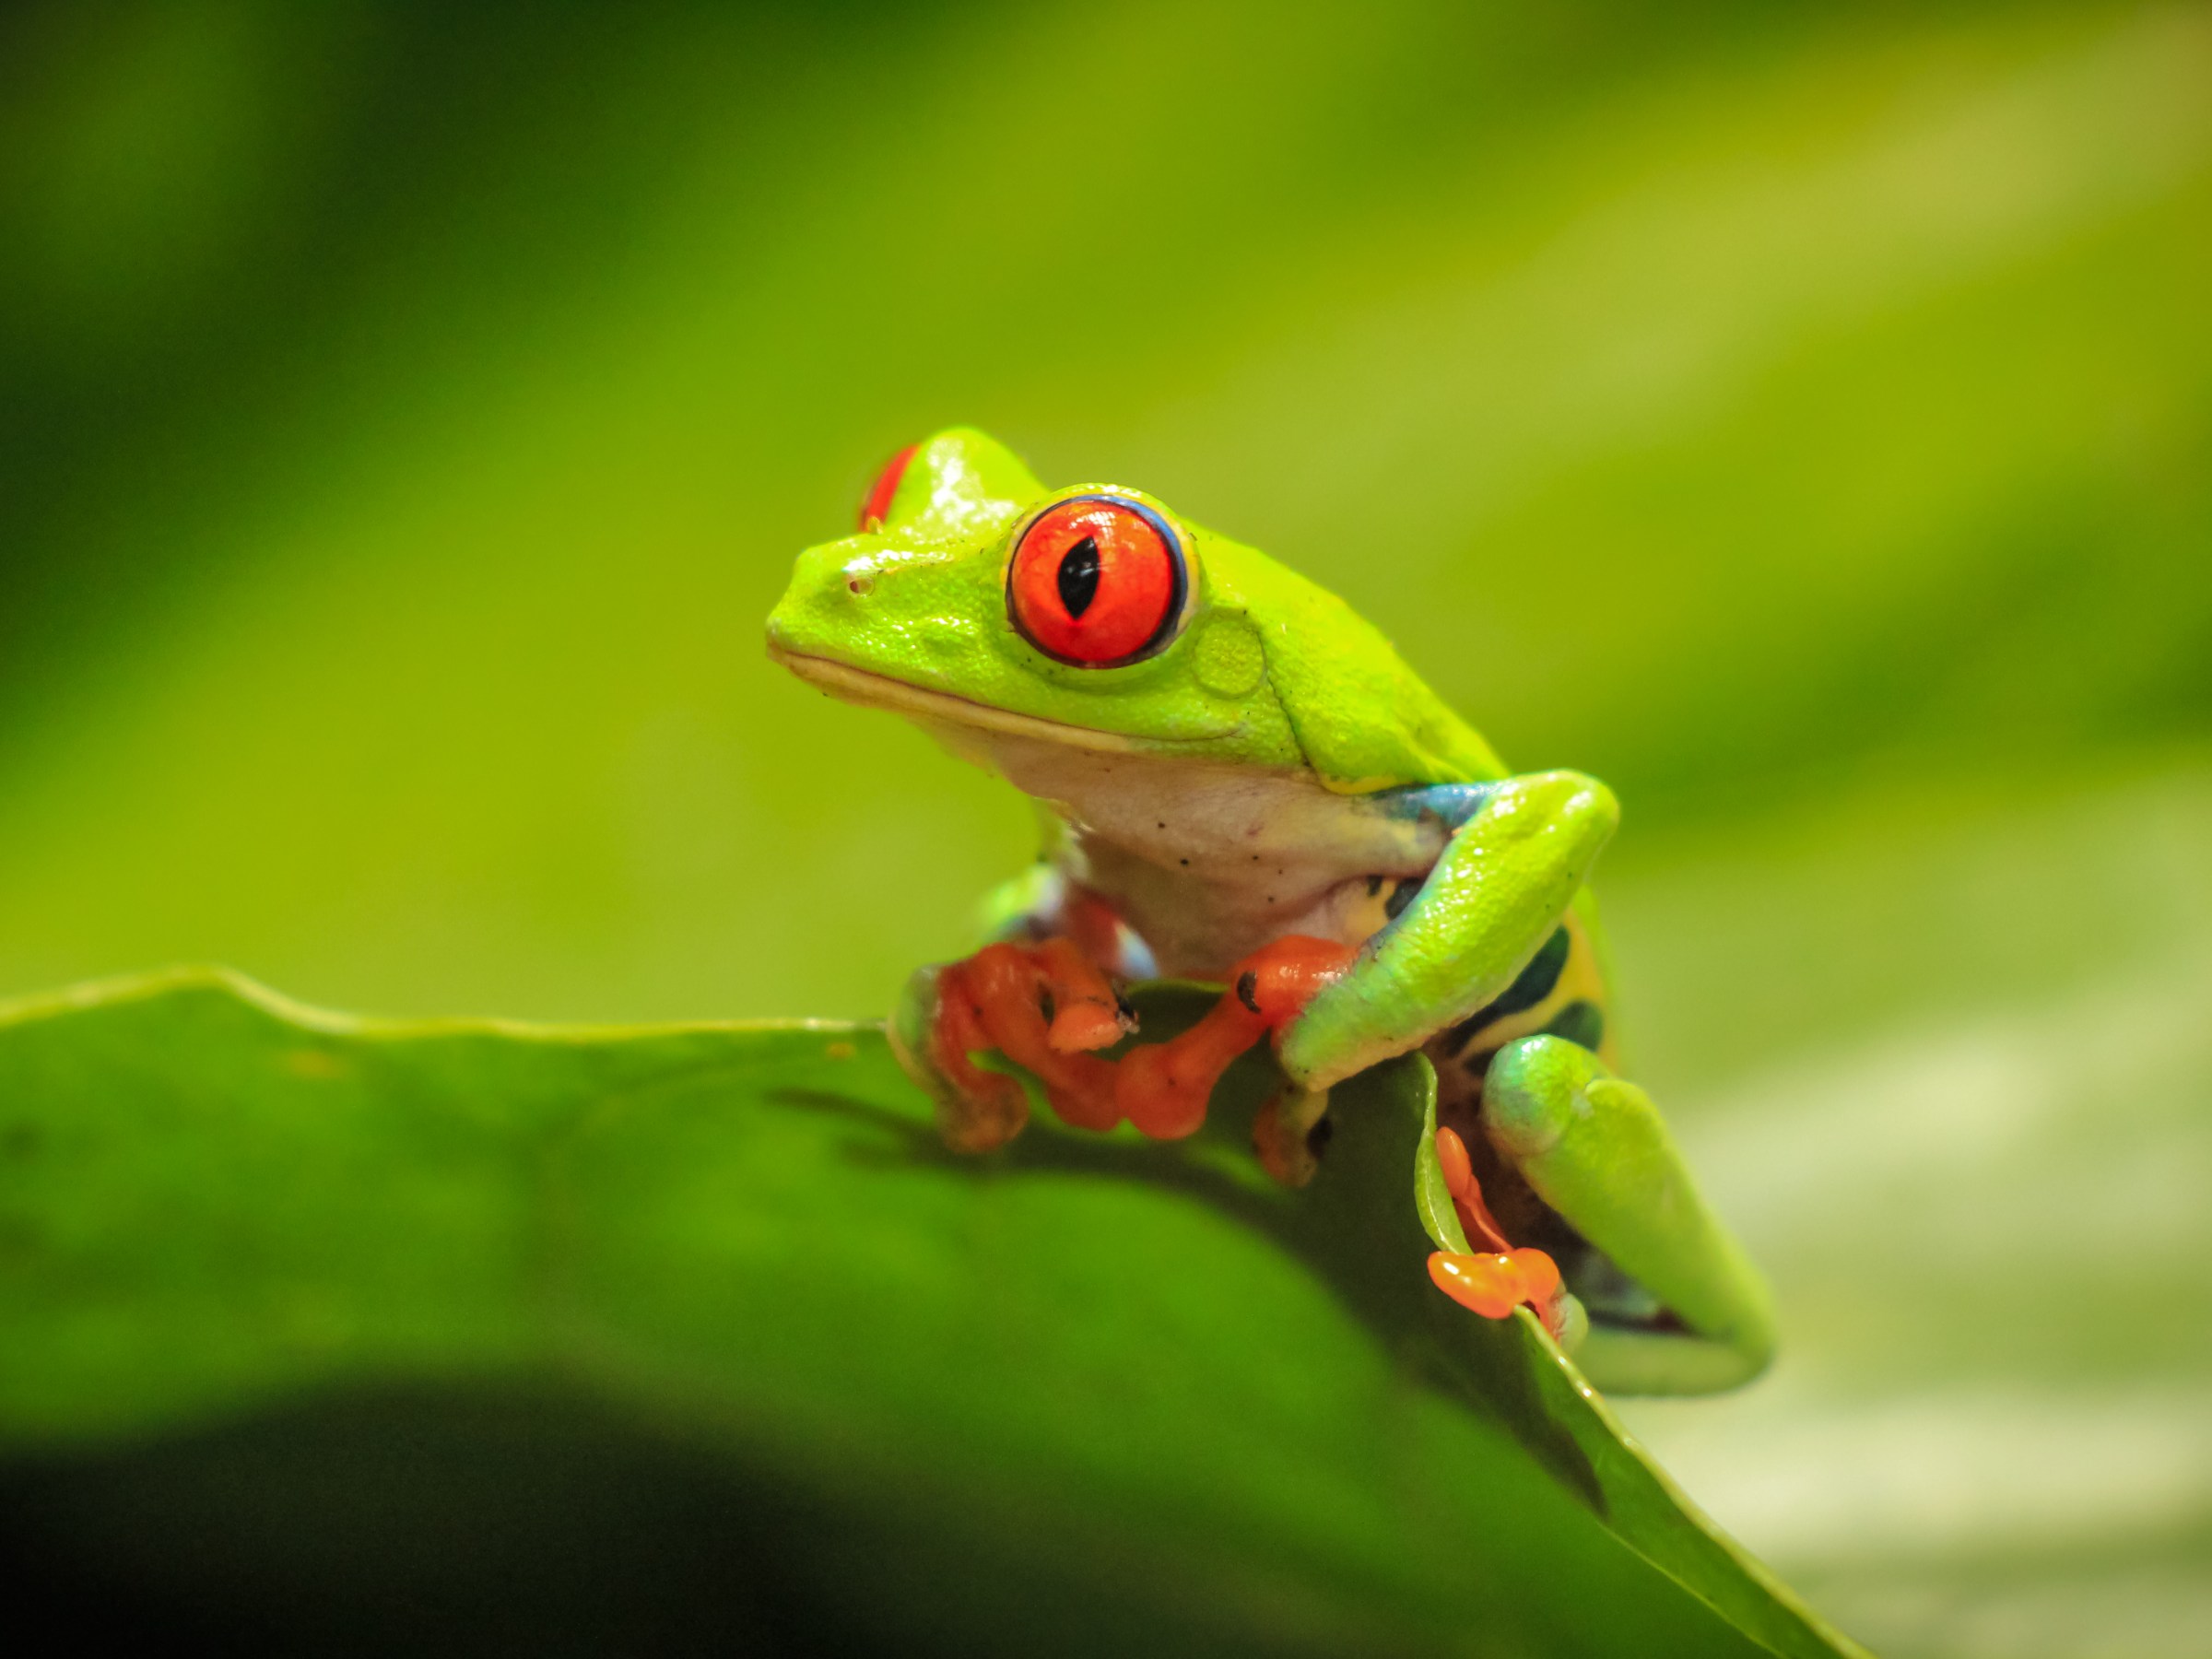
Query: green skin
column 1254, row 777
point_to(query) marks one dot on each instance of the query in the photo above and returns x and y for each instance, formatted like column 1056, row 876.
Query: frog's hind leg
column 1674, row 1305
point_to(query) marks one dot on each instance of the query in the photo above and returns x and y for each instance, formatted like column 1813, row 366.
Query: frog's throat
column 880, row 691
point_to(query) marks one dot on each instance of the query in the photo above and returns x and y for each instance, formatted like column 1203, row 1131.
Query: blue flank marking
column 1450, row 805
column 1137, row 960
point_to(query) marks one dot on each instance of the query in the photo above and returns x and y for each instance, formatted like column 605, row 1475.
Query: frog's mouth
column 902, row 697
column 875, row 690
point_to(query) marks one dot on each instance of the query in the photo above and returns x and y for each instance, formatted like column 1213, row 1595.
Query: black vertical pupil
column 1079, row 576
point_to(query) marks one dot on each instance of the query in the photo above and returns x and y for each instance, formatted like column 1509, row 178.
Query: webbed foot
column 1496, row 1282
column 962, row 1026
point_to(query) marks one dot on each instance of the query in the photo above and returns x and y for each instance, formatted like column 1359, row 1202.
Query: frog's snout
column 875, row 605
column 869, row 606
column 818, row 606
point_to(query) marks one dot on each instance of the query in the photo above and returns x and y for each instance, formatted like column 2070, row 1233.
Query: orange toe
column 1493, row 1286
column 1487, row 1285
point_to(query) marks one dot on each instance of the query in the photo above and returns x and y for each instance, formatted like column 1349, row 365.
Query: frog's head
column 972, row 597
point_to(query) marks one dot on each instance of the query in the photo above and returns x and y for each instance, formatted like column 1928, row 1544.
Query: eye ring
column 1098, row 581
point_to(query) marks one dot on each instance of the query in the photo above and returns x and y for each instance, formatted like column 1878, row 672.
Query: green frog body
column 1243, row 783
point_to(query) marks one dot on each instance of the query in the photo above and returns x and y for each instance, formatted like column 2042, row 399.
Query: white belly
column 1209, row 862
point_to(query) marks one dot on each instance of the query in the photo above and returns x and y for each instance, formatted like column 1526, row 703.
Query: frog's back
column 1363, row 719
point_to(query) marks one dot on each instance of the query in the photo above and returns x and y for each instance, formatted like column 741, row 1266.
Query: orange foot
column 1492, row 1284
column 1163, row 1087
column 1043, row 1007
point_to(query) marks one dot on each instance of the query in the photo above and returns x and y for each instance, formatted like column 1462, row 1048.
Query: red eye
column 1097, row 581
column 877, row 506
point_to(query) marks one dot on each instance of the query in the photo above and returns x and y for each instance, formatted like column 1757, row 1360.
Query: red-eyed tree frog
column 1242, row 783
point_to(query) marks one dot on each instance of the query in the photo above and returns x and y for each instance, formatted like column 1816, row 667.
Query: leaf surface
column 1085, row 1373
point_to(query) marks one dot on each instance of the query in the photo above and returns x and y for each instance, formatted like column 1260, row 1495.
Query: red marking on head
column 876, row 507
column 1096, row 582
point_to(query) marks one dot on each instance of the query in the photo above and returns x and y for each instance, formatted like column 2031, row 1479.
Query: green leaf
column 1085, row 1391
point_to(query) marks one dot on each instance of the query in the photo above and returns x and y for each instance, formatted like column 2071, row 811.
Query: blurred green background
column 1800, row 416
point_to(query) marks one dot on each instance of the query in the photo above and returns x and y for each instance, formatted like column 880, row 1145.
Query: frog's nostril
column 860, row 580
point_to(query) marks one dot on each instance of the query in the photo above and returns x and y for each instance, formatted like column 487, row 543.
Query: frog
column 1240, row 783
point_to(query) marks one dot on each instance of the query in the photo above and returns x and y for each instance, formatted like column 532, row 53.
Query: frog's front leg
column 1592, row 1146
column 1518, row 851
column 1037, row 998
column 1163, row 1087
